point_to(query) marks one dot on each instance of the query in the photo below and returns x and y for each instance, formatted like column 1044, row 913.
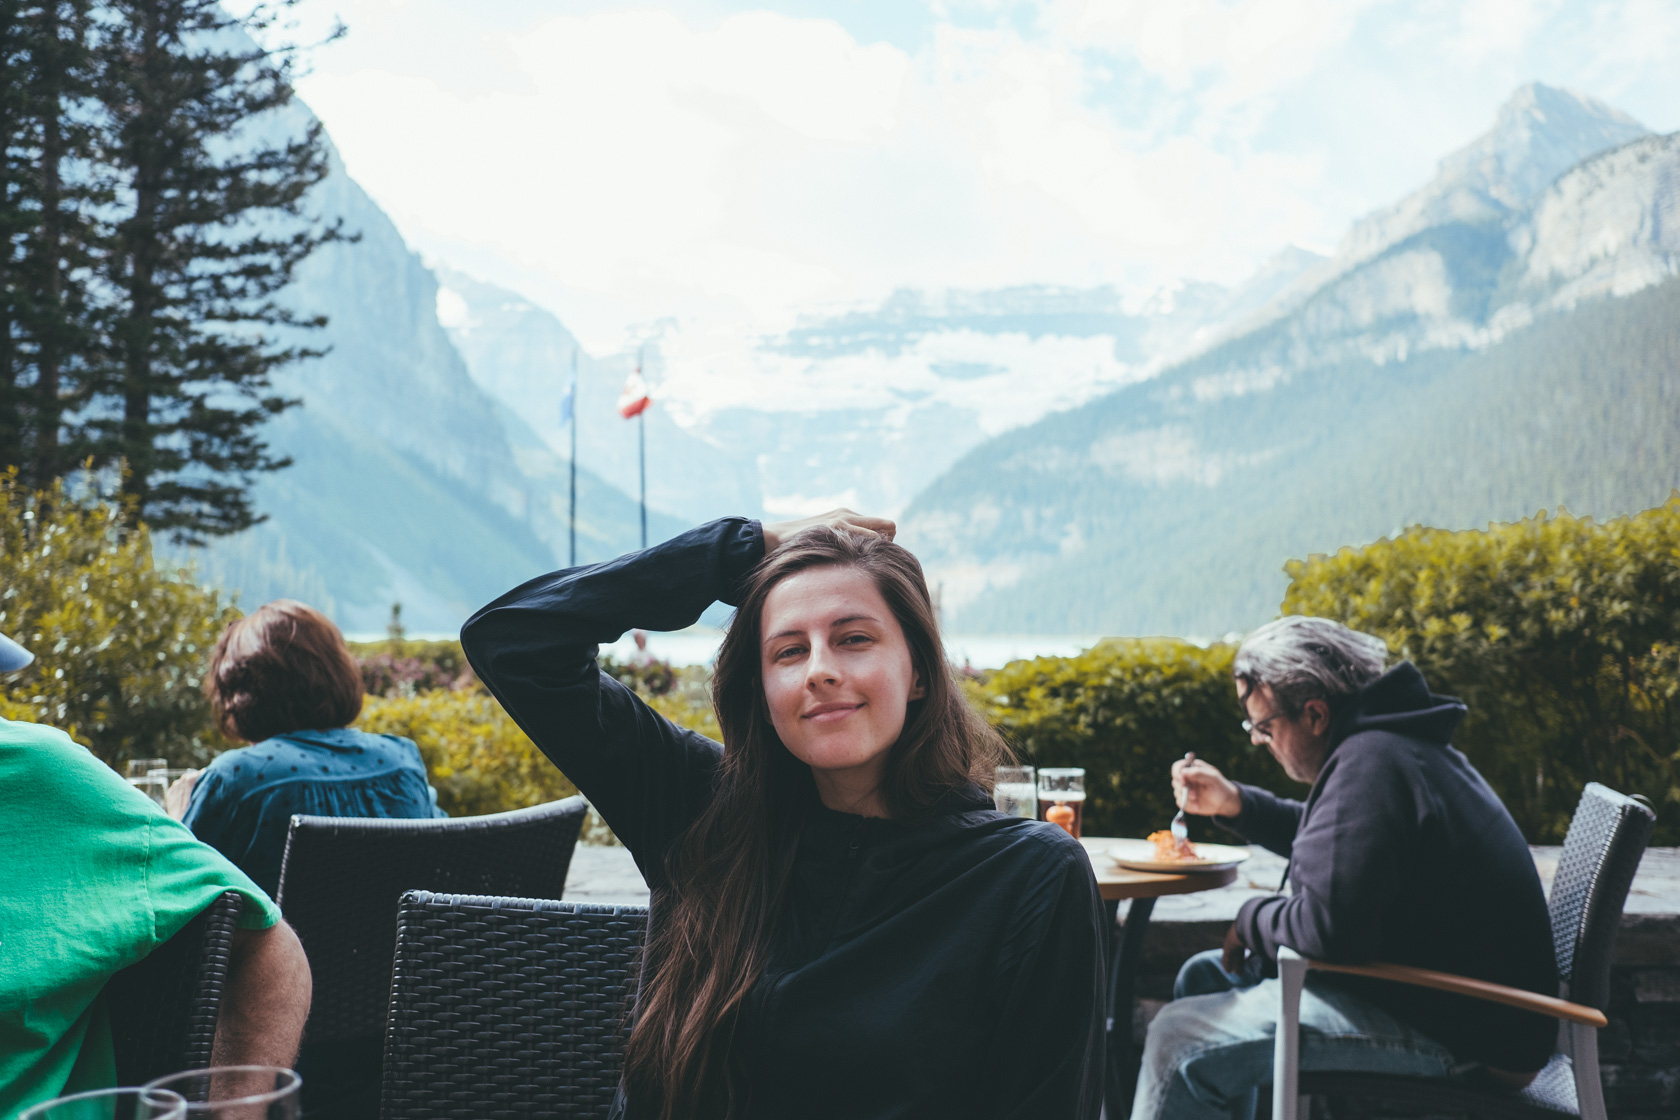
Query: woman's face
column 837, row 674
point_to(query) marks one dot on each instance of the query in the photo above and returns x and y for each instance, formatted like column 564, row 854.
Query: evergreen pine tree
column 54, row 223
column 57, row 315
column 16, row 221
column 215, row 227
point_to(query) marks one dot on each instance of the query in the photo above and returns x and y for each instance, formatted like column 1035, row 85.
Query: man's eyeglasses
column 1263, row 728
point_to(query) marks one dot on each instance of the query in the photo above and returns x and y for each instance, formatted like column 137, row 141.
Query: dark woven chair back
column 1606, row 840
column 508, row 1007
column 163, row 1009
column 341, row 877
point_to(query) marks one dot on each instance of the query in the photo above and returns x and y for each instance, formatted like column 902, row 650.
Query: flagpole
column 572, row 530
column 641, row 450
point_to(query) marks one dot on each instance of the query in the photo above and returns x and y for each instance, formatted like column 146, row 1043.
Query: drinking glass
column 147, row 775
column 1061, row 797
column 1013, row 791
column 111, row 1104
column 236, row 1092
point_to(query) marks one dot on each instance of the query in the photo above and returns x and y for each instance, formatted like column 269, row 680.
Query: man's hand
column 1203, row 790
column 775, row 534
column 176, row 797
column 1236, row 953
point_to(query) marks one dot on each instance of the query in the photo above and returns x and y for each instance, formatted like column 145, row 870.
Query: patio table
column 1125, row 949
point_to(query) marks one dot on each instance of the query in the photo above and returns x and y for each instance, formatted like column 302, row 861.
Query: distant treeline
column 151, row 205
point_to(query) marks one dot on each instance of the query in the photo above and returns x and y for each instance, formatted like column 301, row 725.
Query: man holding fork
column 1401, row 852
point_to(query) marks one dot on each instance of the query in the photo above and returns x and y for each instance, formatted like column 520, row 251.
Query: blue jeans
column 1210, row 1049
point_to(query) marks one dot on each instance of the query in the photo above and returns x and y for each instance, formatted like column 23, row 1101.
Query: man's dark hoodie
column 1402, row 853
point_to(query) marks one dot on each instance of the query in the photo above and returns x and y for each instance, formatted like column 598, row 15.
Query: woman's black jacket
column 949, row 965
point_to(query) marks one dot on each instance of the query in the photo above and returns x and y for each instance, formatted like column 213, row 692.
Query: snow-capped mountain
column 1453, row 322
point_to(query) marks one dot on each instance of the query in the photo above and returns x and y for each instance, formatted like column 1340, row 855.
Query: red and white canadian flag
column 634, row 399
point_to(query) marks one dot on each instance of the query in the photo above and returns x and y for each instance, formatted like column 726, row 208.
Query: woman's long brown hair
column 729, row 871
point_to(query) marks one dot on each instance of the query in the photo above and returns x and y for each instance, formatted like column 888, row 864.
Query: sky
column 732, row 168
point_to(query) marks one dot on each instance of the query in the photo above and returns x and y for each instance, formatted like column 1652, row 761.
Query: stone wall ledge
column 609, row 875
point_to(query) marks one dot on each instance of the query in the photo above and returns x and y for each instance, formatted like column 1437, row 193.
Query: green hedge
column 1561, row 633
column 120, row 644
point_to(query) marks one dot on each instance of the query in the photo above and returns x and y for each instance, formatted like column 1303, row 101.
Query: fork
column 1180, row 830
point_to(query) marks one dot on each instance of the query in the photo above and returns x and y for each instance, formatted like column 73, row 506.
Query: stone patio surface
column 608, row 876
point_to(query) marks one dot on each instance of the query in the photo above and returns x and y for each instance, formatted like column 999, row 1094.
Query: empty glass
column 1061, row 797
column 1013, row 791
column 112, row 1104
column 148, row 776
column 236, row 1092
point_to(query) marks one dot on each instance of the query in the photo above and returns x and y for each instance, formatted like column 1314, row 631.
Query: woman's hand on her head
column 775, row 534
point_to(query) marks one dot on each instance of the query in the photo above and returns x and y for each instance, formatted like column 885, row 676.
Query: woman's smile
column 832, row 712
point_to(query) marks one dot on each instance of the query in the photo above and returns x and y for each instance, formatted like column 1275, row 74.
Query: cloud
column 765, row 163
column 646, row 159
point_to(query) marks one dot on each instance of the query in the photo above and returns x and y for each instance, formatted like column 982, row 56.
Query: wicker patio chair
column 339, row 883
column 508, row 1007
column 163, row 1008
column 1606, row 839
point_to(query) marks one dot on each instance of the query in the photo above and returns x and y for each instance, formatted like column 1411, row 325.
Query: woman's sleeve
column 1048, row 1056
column 535, row 649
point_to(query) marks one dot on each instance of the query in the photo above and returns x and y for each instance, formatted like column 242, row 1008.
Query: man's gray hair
column 1304, row 658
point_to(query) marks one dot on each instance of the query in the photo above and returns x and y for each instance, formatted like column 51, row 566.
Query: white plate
column 1139, row 855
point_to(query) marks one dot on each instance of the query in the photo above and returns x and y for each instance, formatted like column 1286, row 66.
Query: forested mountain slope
column 409, row 483
column 1518, row 354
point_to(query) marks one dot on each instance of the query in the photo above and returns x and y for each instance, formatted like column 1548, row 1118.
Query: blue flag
column 568, row 402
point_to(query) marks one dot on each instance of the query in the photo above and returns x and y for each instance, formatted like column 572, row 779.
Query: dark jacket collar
column 1398, row 702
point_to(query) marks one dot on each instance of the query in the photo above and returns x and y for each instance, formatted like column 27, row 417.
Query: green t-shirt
column 93, row 876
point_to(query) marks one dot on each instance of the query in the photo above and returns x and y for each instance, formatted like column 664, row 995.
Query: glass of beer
column 1061, row 797
column 1014, row 792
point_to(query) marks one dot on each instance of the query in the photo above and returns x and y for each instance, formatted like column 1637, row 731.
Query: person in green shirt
column 93, row 877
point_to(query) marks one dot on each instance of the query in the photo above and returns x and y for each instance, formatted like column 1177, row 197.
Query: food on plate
column 1169, row 847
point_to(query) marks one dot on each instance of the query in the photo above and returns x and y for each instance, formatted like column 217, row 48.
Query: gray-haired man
column 1401, row 852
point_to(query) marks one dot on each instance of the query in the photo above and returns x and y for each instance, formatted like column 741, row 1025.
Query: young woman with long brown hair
column 842, row 925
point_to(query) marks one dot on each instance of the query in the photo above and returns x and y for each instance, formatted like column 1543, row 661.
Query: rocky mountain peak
column 1539, row 133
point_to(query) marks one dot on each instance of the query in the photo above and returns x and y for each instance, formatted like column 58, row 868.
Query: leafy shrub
column 1562, row 635
column 1125, row 710
column 478, row 758
column 120, row 645
column 407, row 667
column 682, row 694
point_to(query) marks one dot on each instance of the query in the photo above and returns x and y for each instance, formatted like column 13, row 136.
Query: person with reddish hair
column 282, row 679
